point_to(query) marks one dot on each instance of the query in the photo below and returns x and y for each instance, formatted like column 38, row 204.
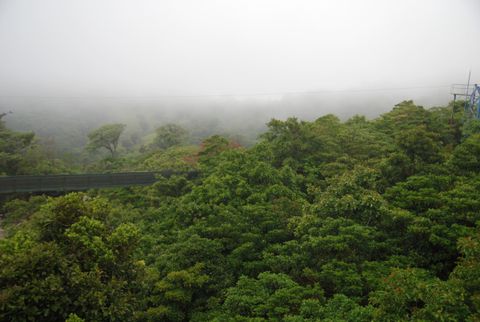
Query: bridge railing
column 72, row 182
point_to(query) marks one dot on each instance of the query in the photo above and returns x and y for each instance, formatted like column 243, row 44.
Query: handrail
column 74, row 182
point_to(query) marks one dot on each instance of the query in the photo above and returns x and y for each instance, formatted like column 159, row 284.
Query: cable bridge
column 75, row 182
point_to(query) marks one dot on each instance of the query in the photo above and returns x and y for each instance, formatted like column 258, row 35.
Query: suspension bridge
column 76, row 182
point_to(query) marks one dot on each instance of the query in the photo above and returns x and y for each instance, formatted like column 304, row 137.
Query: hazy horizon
column 140, row 49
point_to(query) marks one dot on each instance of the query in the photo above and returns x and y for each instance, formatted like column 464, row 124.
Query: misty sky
column 179, row 47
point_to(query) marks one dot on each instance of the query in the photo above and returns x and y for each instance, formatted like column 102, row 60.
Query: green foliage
column 419, row 145
column 18, row 210
column 175, row 158
column 320, row 221
column 270, row 297
column 471, row 127
column 175, row 294
column 342, row 308
column 106, row 136
column 466, row 156
column 169, row 135
column 467, row 272
column 13, row 146
column 412, row 294
column 74, row 318
column 73, row 261
column 55, row 217
column 405, row 115
column 212, row 147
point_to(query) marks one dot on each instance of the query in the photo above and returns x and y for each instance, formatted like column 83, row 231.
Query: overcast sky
column 141, row 47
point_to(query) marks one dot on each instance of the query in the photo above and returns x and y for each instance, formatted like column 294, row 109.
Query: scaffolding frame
column 471, row 95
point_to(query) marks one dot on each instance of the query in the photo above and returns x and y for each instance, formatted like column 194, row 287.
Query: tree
column 467, row 272
column 419, row 144
column 471, row 127
column 106, row 137
column 270, row 296
column 466, row 156
column 405, row 115
column 71, row 261
column 414, row 295
column 211, row 149
column 176, row 292
column 170, row 135
column 12, row 148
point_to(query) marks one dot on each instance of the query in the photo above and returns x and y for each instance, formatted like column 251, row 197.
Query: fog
column 267, row 58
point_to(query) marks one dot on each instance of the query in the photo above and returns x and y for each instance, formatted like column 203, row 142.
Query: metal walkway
column 72, row 182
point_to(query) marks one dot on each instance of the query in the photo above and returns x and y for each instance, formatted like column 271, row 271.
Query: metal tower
column 471, row 95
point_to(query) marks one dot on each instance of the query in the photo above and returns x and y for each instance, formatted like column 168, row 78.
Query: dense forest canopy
column 329, row 220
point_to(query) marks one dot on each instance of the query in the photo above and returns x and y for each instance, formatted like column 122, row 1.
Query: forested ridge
column 323, row 220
